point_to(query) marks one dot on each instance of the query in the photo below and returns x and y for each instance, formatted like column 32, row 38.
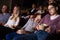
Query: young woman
column 14, row 18
column 52, row 20
column 12, row 22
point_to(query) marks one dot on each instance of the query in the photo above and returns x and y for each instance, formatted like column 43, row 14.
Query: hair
column 34, row 16
column 53, row 4
column 18, row 10
column 15, row 6
column 7, row 9
column 18, row 7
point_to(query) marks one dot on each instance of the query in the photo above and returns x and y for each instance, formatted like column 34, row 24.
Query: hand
column 40, row 27
column 20, row 32
column 48, row 29
column 58, row 31
column 34, row 28
column 14, row 26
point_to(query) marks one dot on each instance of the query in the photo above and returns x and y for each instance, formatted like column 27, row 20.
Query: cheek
column 14, row 11
column 52, row 11
column 38, row 19
column 3, row 9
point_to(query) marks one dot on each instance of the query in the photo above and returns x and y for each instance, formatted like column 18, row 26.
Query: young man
column 4, row 16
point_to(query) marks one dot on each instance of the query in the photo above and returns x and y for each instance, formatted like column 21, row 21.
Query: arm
column 44, row 27
column 58, row 27
column 43, row 19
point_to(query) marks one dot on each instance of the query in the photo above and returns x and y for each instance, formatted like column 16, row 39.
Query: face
column 51, row 9
column 15, row 10
column 38, row 18
column 33, row 6
column 4, row 9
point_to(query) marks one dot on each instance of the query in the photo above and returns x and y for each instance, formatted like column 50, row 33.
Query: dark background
column 23, row 3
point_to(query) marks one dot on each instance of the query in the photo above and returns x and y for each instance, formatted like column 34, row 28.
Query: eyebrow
column 51, row 7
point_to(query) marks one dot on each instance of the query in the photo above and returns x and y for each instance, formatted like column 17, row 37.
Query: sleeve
column 16, row 23
column 58, row 26
column 42, row 20
column 55, row 27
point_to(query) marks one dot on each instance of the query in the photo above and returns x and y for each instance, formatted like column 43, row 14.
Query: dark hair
column 7, row 9
column 4, row 5
column 34, row 16
column 53, row 4
column 15, row 6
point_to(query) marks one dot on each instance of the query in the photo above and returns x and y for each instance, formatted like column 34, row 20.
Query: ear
column 56, row 8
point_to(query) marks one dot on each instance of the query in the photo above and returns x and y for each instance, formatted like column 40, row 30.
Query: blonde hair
column 18, row 13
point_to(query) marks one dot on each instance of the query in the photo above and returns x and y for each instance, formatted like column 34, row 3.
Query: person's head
column 40, row 7
column 52, row 8
column 45, row 8
column 4, row 8
column 16, row 10
column 33, row 6
column 37, row 17
column 51, row 1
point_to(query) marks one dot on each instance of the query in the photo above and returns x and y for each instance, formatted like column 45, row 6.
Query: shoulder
column 59, row 17
column 7, row 14
column 46, row 16
column 0, row 14
column 31, row 19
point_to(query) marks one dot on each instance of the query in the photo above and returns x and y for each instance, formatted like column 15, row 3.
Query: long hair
column 18, row 12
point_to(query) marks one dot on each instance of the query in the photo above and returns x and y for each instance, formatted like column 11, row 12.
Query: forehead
column 38, row 16
column 50, row 6
column 15, row 7
column 4, row 6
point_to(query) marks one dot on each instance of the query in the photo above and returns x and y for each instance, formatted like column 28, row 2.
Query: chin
column 51, row 13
